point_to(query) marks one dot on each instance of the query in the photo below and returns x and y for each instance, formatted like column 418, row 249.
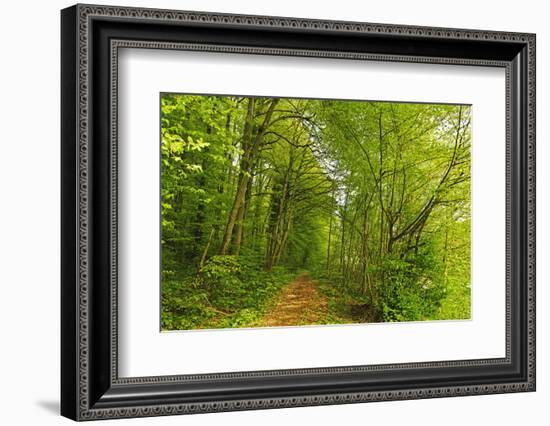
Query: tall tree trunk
column 243, row 177
column 239, row 197
column 278, row 213
column 329, row 241
column 241, row 216
column 343, row 262
column 445, row 254
column 251, row 145
column 366, row 280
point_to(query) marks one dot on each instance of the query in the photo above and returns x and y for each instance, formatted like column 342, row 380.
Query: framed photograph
column 263, row 212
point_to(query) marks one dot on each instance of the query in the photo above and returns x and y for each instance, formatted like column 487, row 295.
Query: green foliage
column 184, row 305
column 412, row 289
column 228, row 291
column 221, row 277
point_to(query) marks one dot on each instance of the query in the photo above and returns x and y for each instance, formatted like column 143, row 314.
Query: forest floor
column 299, row 303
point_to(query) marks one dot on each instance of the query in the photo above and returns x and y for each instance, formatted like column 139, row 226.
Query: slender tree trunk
column 251, row 146
column 241, row 216
column 445, row 251
column 243, row 177
column 257, row 226
column 278, row 213
column 206, row 248
column 239, row 197
column 365, row 252
column 328, row 242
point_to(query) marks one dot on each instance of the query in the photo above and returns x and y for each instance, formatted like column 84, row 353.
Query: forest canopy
column 281, row 211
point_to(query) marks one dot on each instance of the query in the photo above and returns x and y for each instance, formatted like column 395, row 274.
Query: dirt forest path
column 299, row 303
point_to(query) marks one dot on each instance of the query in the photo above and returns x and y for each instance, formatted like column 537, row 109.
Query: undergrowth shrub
column 228, row 291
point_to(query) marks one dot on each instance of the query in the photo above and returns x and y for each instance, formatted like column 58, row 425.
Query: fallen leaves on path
column 299, row 303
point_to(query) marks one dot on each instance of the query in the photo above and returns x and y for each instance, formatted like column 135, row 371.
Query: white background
column 29, row 225
column 146, row 352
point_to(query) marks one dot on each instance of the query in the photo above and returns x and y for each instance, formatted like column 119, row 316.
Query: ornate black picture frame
column 91, row 388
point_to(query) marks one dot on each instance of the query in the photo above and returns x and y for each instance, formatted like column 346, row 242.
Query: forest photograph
column 298, row 212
